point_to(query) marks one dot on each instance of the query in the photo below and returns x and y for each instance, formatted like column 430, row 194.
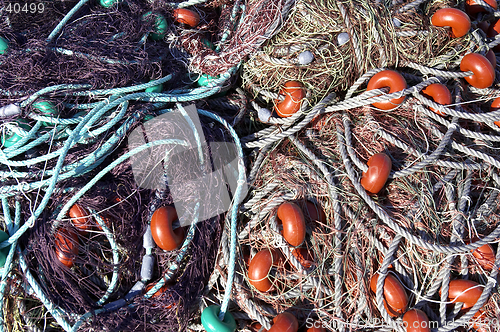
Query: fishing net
column 120, row 109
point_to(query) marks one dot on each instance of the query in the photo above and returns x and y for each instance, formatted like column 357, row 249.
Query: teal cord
column 234, row 211
column 129, row 89
column 116, row 257
column 108, row 168
column 10, row 257
column 66, row 18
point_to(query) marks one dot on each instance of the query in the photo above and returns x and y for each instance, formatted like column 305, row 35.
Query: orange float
column 492, row 58
column 315, row 212
column 80, row 218
column 285, row 322
column 473, row 7
column 259, row 268
column 493, row 30
column 439, row 93
column 66, row 246
column 416, row 320
column 294, row 93
column 485, row 256
column 484, row 74
column 395, row 297
column 454, row 18
column 294, row 225
column 186, row 16
column 379, row 168
column 466, row 291
column 388, row 79
column 164, row 235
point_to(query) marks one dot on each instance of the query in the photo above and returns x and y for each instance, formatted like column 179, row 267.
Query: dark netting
column 104, row 47
column 125, row 207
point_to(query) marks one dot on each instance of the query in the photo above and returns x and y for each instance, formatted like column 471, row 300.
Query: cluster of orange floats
column 164, row 235
column 294, row 233
column 66, row 239
column 396, row 300
column 292, row 218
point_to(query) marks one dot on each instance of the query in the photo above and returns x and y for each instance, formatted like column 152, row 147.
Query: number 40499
column 18, row 8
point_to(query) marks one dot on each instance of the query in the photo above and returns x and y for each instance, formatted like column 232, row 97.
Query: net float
column 294, row 225
column 256, row 327
column 259, row 268
column 416, row 320
column 294, row 93
column 480, row 321
column 379, row 168
column 4, row 45
column 473, row 8
column 485, row 256
column 495, row 106
column 315, row 212
column 484, row 74
column 164, row 235
column 395, row 297
column 440, row 94
column 187, row 17
column 388, row 79
column 108, row 3
column 466, row 291
column 9, row 138
column 456, row 19
column 66, row 246
column 493, row 30
column 46, row 108
column 211, row 323
column 284, row 322
column 159, row 25
column 79, row 217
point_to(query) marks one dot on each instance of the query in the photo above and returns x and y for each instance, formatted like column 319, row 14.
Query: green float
column 47, row 109
column 10, row 138
column 4, row 45
column 211, row 323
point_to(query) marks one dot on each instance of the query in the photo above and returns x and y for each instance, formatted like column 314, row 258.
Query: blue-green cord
column 89, row 162
column 10, row 257
column 53, row 88
column 187, row 241
column 55, row 311
column 234, row 212
column 51, row 184
column 112, row 165
column 66, row 18
column 116, row 257
column 84, row 135
column 195, row 132
column 129, row 89
column 78, row 133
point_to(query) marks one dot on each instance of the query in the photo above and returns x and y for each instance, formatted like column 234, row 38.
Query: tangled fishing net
column 115, row 113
